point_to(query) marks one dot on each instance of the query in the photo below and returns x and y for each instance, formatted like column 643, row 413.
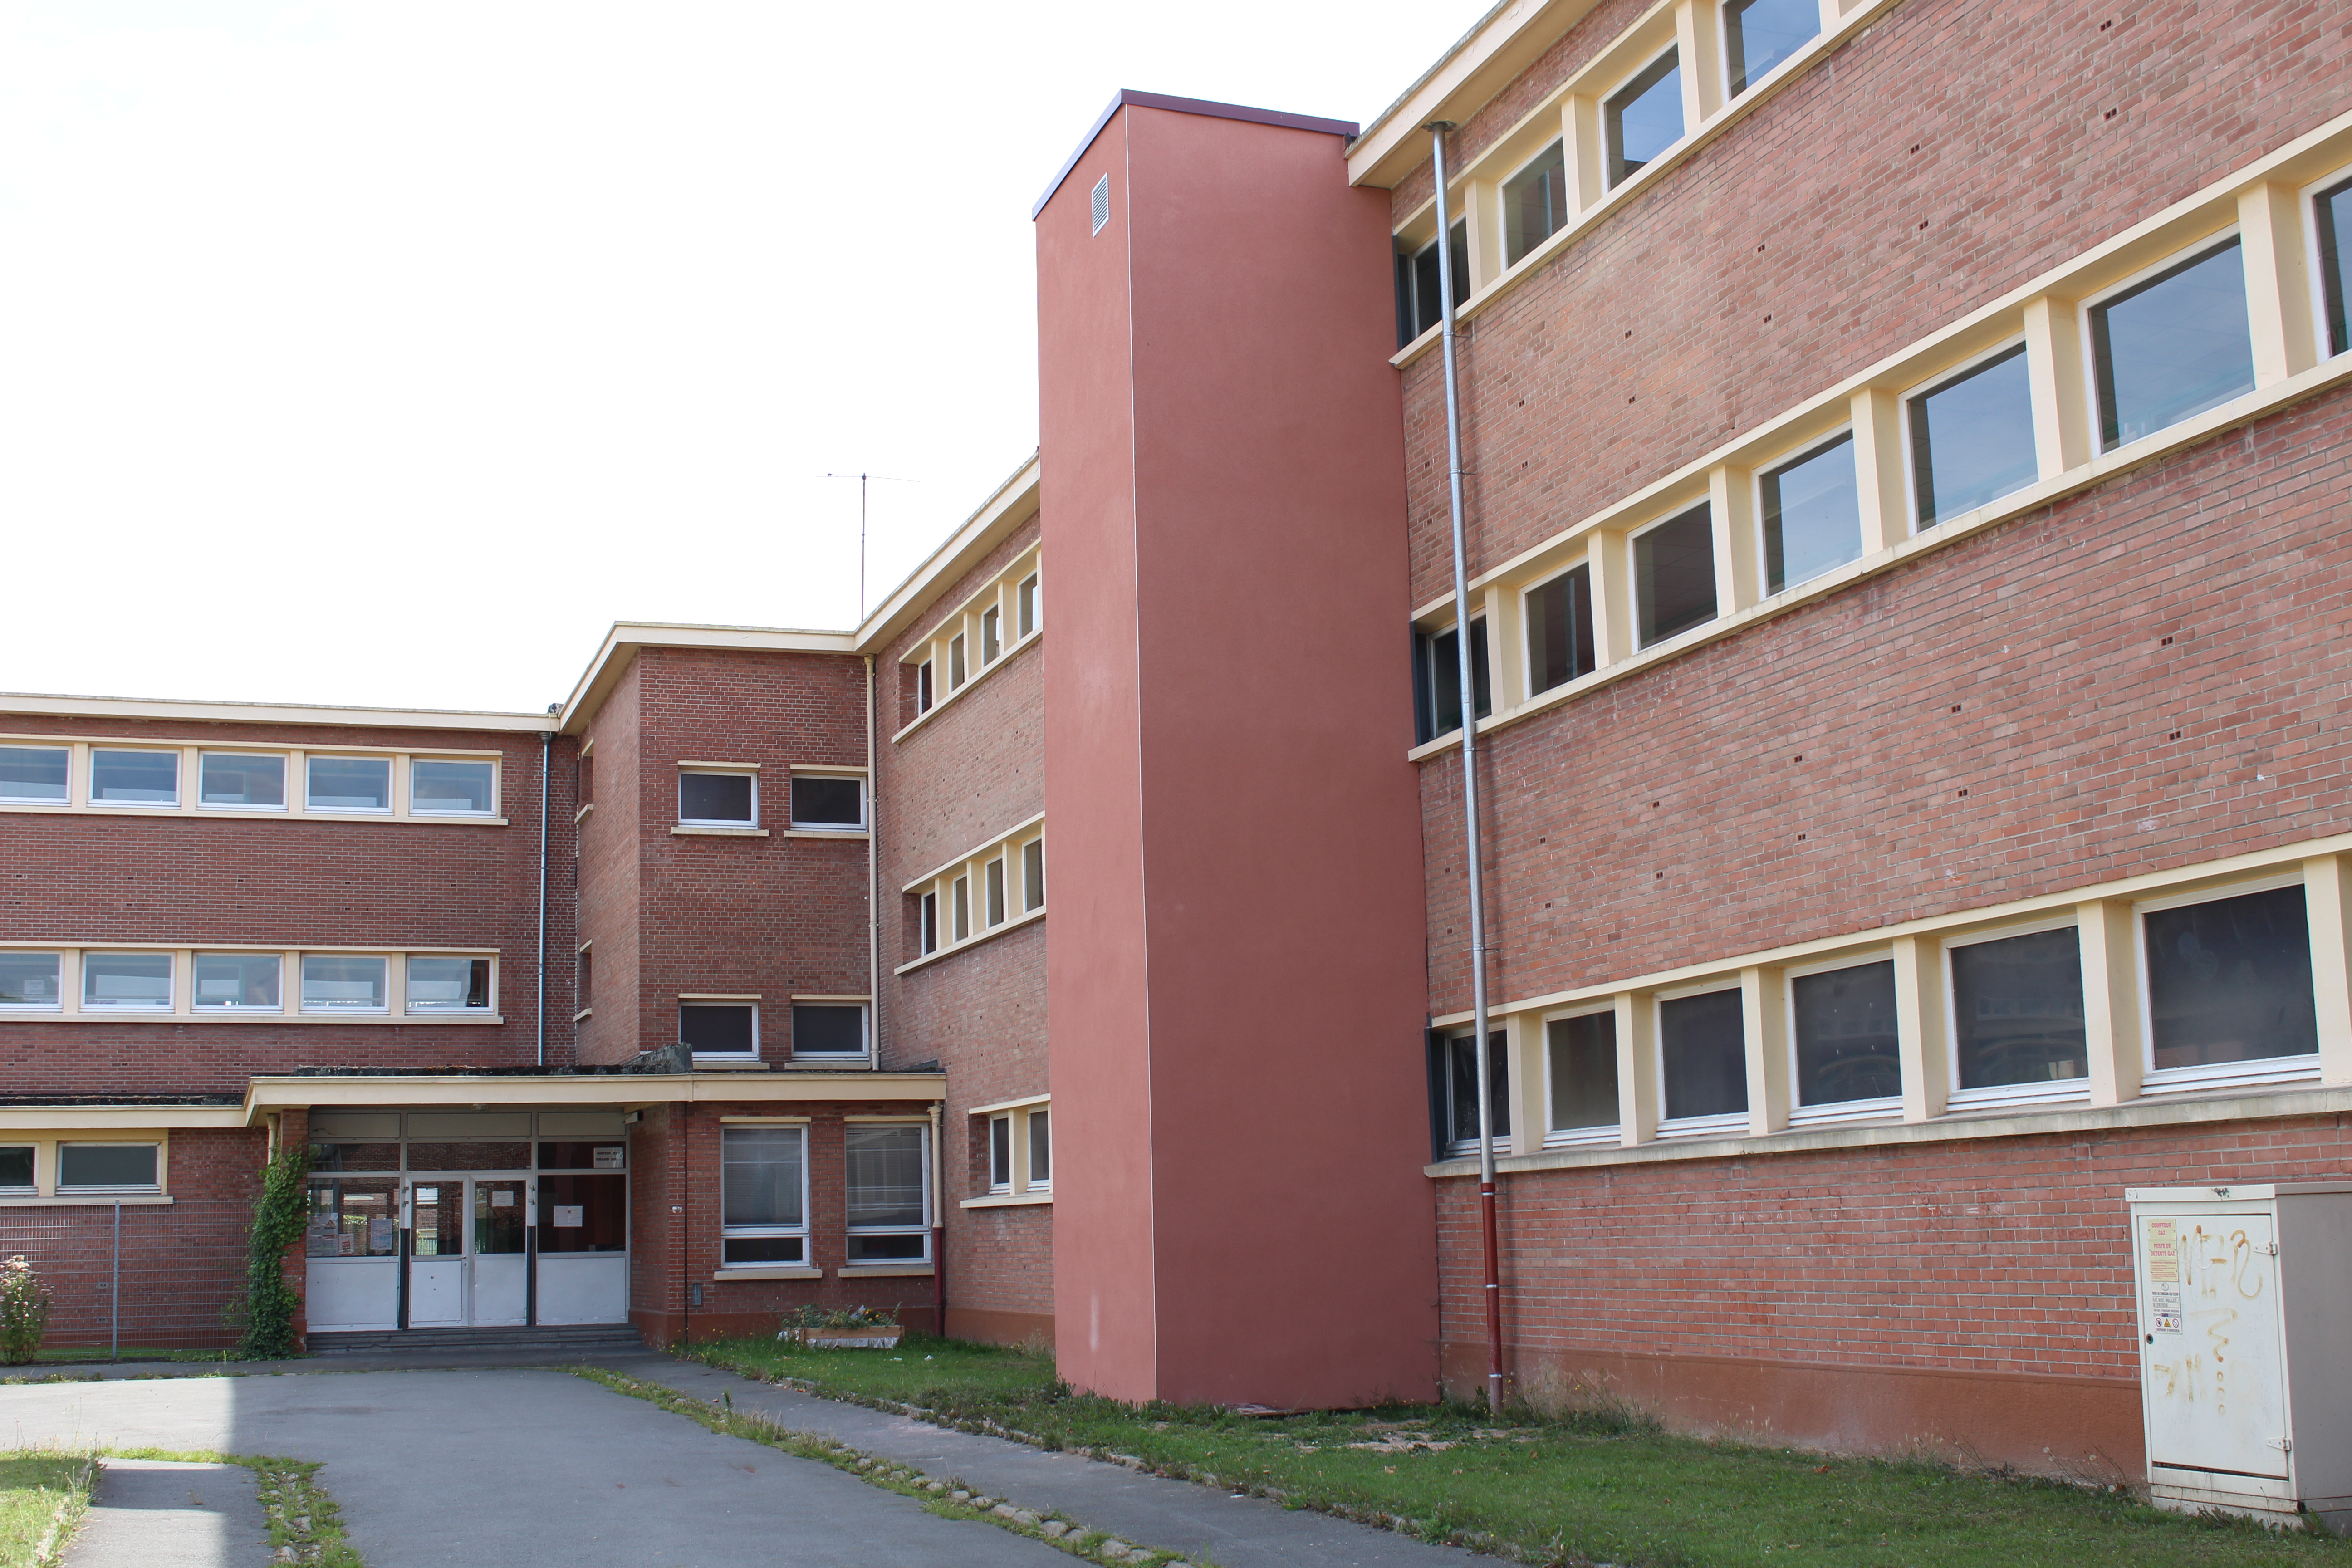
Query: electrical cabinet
column 2245, row 1331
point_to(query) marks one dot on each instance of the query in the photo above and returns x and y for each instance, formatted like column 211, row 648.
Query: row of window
column 764, row 1202
column 83, row 1169
column 981, row 894
column 1019, row 1151
column 732, row 1028
column 2226, row 996
column 151, row 778
column 2163, row 348
column 715, row 794
column 1639, row 119
column 101, row 980
column 1000, row 618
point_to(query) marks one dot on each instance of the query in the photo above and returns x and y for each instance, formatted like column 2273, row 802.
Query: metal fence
column 127, row 1278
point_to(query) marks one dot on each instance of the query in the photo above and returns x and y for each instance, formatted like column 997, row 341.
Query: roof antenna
column 862, row 482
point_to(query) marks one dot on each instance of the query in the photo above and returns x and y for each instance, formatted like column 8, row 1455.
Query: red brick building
column 1902, row 454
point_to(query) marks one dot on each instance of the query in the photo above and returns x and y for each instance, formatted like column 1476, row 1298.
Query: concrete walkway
column 161, row 1513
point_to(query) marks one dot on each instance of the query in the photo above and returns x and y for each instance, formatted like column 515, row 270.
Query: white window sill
column 429, row 819
column 768, row 1271
column 852, row 834
column 581, row 815
column 1583, row 1137
column 883, row 1271
column 86, row 1200
column 729, row 1064
column 1729, row 1125
column 698, row 830
column 131, row 1016
column 1839, row 1112
column 2302, row 1068
column 1008, row 1200
column 583, row 1013
column 2056, row 1091
column 820, row 1062
column 967, row 944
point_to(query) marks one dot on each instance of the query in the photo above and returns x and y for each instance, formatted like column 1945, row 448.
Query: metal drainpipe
column 938, row 1236
column 1473, row 848
column 544, row 740
column 873, row 889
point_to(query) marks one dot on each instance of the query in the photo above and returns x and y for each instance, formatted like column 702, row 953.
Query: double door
column 468, row 1259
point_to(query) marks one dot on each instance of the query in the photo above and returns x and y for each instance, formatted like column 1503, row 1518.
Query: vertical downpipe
column 873, row 883
column 1473, row 848
column 938, row 1236
column 544, row 740
column 114, row 1344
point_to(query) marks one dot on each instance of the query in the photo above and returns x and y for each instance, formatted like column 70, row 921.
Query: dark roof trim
column 1346, row 129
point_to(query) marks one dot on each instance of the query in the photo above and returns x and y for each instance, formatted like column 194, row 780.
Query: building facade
column 1907, row 586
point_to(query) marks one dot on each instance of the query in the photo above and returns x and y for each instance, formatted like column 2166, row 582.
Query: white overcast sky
column 385, row 354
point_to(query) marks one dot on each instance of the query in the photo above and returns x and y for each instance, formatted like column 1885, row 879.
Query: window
column 107, row 1167
column 991, row 624
column 960, row 897
column 1842, row 1025
column 923, row 686
column 237, row 982
column 1643, row 118
column 437, row 984
column 994, row 892
column 1760, row 33
column 1972, row 438
column 719, row 1028
column 1674, row 575
column 828, row 1029
column 955, row 661
column 1041, row 1149
column 583, row 981
column 1813, row 516
column 1033, row 875
column 134, row 778
column 1419, row 287
column 2169, row 349
column 1458, row 1088
column 1535, row 204
column 2017, row 1011
column 31, row 980
column 342, row 982
column 718, row 800
column 128, row 980
column 763, row 1195
column 2228, row 980
column 1582, row 1056
column 828, row 804
column 1026, row 604
column 2332, row 215
column 584, row 777
column 33, row 775
column 999, row 1154
column 1703, row 1052
column 1560, row 630
column 889, row 1197
column 350, row 783
column 450, row 789
column 239, row 781
column 929, row 923
column 1437, row 704
column 16, row 1169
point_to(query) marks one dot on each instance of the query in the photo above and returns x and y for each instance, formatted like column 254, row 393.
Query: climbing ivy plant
column 277, row 1220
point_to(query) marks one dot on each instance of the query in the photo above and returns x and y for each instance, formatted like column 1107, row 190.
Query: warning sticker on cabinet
column 2164, row 1311
column 2164, row 1252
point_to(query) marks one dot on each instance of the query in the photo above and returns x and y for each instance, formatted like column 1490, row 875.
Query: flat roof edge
column 232, row 713
column 1346, row 129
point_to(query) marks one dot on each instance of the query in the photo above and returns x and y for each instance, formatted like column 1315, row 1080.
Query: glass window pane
column 959, row 898
column 1845, row 1035
column 1972, row 438
column 1033, row 874
column 498, row 1214
column 582, row 1154
column 886, row 1248
column 1644, row 117
column 2173, row 347
column 235, row 979
column 885, row 1177
column 1674, row 575
column 929, row 922
column 995, row 892
column 350, row 783
column 586, row 1214
column 33, row 774
column 714, row 797
column 1041, row 1147
column 1463, row 1061
column 1702, row 1041
column 2017, row 1010
column 716, row 1028
column 454, row 787
column 30, row 979
column 135, row 778
column 1535, row 204
column 1560, row 630
column 1028, row 606
column 106, row 1165
column 1812, row 515
column 760, row 1177
column 1444, row 677
column 828, row 803
column 16, row 1165
column 449, row 985
column 126, row 980
column 233, row 778
column 1760, row 33
column 999, row 1154
column 436, row 1219
column 955, row 661
column 1584, row 1070
column 2230, row 980
column 759, row 1249
column 2332, row 214
column 354, row 1218
column 336, row 982
column 828, row 1029
column 991, row 641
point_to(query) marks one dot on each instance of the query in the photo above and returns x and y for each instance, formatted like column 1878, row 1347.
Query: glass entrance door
column 436, row 1252
column 500, row 1266
column 468, row 1258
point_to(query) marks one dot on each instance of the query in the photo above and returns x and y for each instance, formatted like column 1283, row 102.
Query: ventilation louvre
column 1102, row 202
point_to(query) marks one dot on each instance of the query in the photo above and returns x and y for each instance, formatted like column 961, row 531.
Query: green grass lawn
column 1605, row 1487
column 41, row 1491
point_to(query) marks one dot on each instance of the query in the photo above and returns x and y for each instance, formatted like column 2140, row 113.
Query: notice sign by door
column 570, row 1217
column 2164, row 1252
column 608, row 1156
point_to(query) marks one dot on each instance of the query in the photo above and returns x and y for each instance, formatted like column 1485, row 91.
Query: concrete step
column 583, row 1338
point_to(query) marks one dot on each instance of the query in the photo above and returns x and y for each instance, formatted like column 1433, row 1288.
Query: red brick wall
column 609, row 839
column 172, row 879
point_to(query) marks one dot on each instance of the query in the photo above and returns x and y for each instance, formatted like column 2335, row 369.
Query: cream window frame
column 2314, row 290
column 183, row 1010
column 1022, row 1188
column 1673, row 150
column 937, row 891
column 964, row 627
column 1914, row 524
column 1632, row 587
column 1883, row 1108
column 45, row 1142
column 1751, row 570
column 1827, row 13
column 2262, row 1071
column 58, row 1160
column 79, row 803
column 2206, row 244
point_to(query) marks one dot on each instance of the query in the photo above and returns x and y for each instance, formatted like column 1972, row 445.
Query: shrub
column 838, row 1318
column 23, row 1312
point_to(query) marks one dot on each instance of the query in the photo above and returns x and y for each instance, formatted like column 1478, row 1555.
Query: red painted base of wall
column 989, row 1327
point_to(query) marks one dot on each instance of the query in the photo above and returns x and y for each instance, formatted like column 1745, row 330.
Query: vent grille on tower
column 1102, row 202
